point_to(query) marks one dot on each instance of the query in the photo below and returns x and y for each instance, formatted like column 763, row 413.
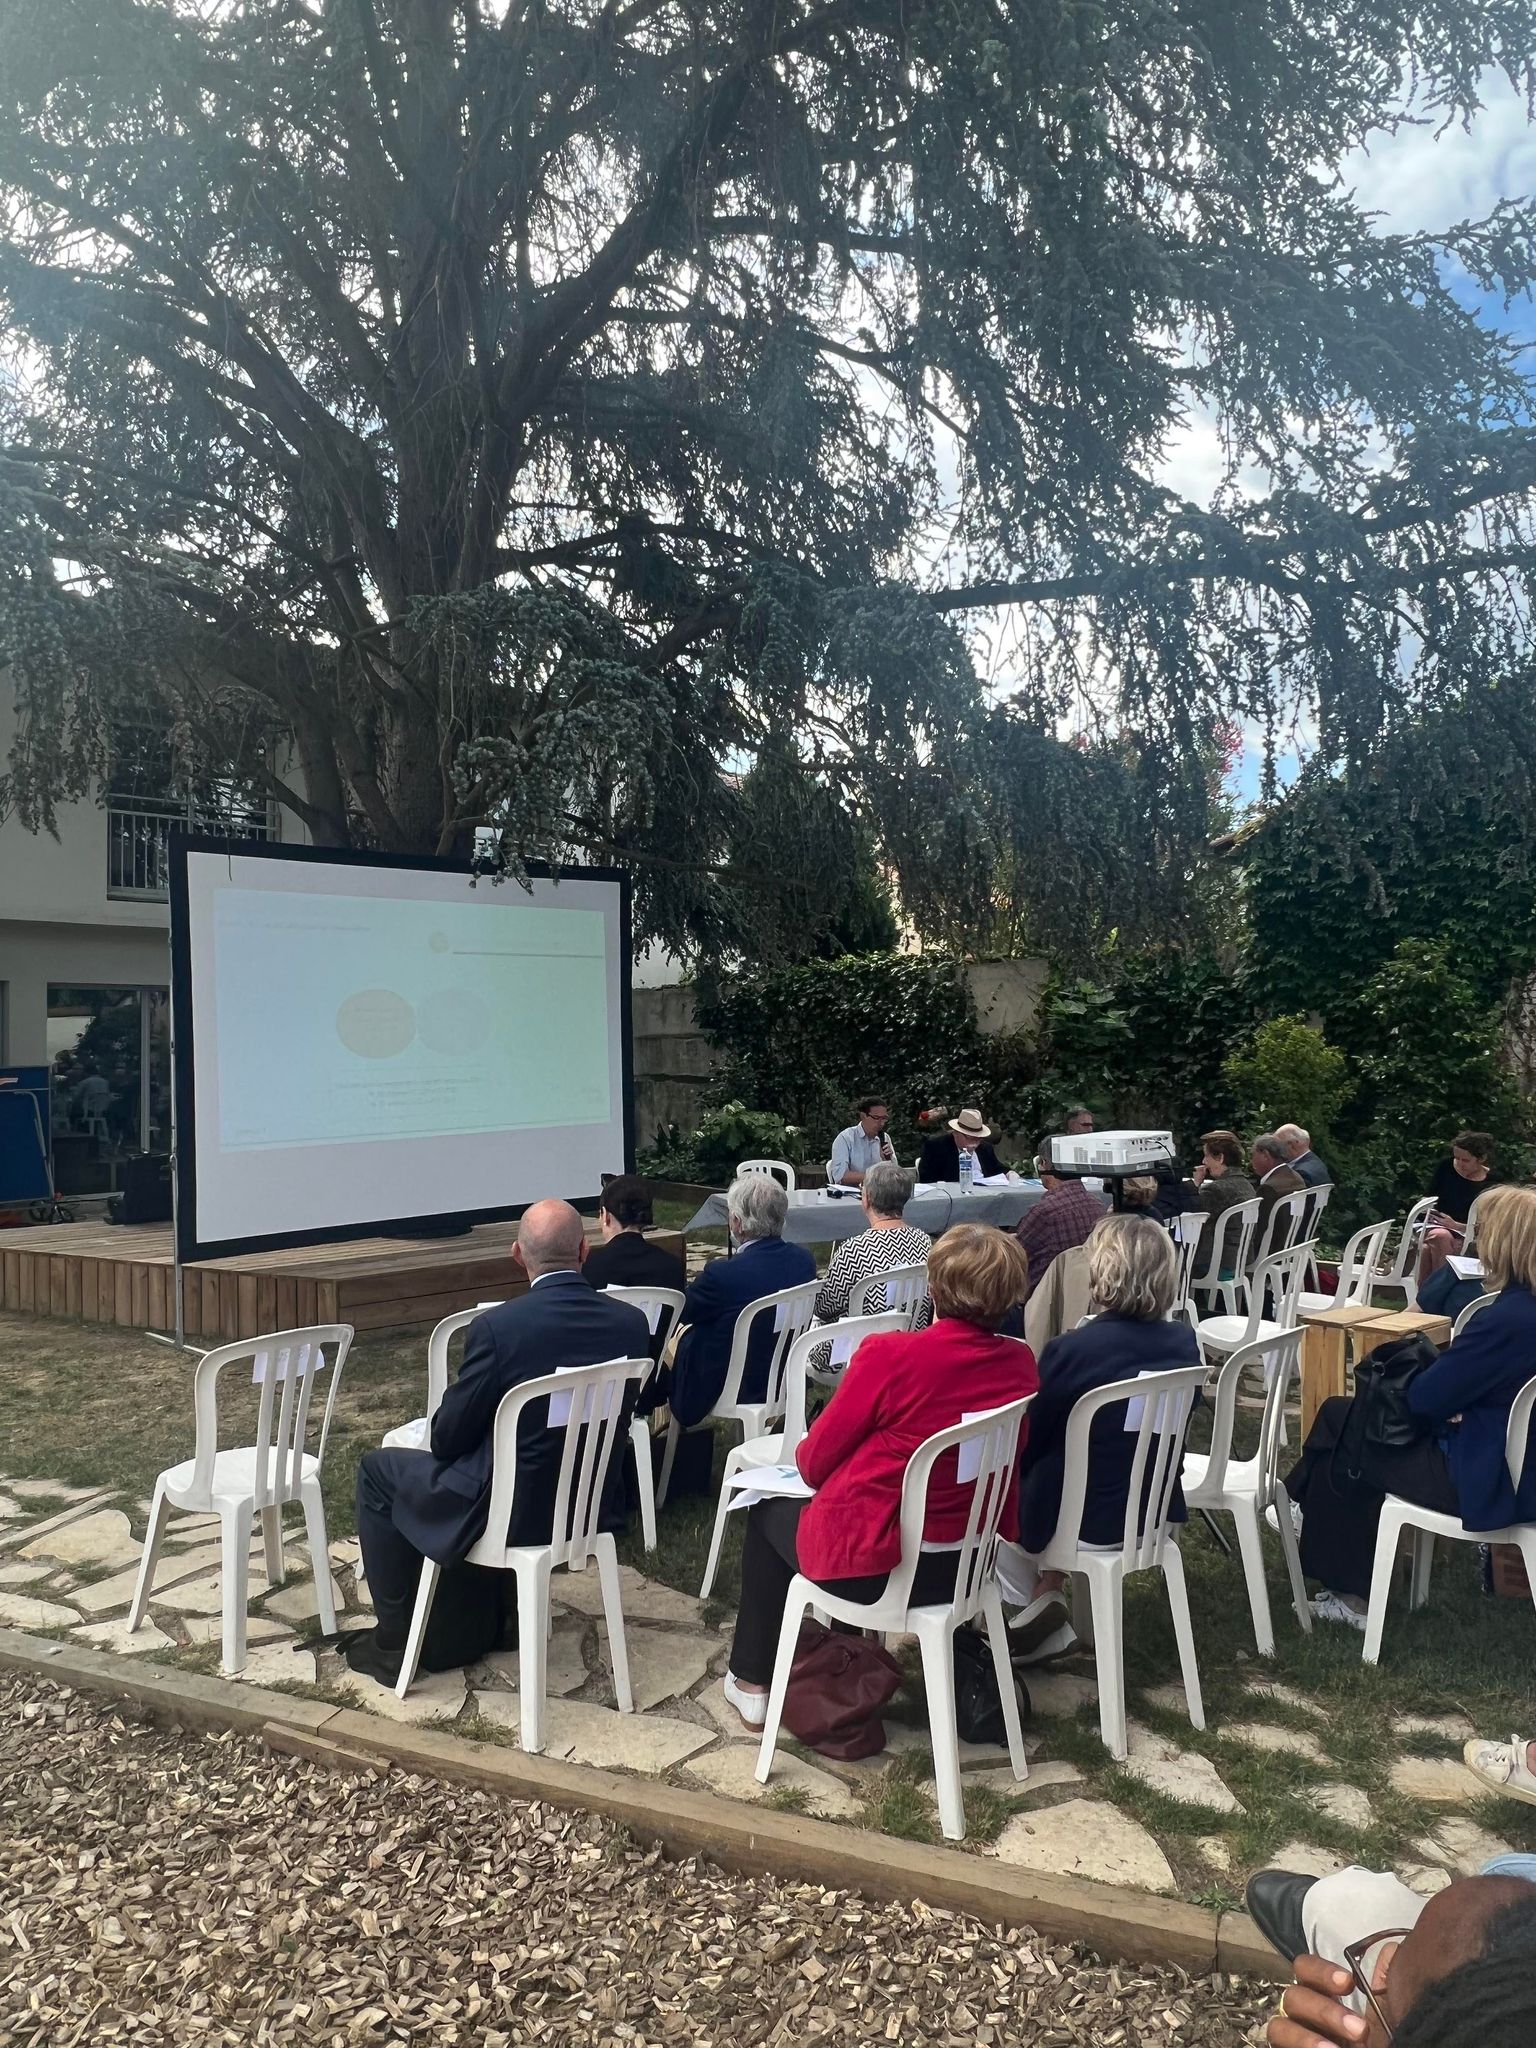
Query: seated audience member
column 1219, row 1178
column 1443, row 1294
column 863, row 1145
column 1274, row 1175
column 899, row 1390
column 1079, row 1121
column 886, row 1243
column 1139, row 1192
column 763, row 1264
column 966, row 1132
column 1064, row 1216
column 1299, row 1155
column 1462, row 1404
column 626, row 1258
column 1457, row 1183
column 1133, row 1274
column 433, row 1503
column 1457, row 1970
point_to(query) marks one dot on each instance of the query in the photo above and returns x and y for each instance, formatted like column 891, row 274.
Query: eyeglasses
column 1354, row 1958
column 876, row 1116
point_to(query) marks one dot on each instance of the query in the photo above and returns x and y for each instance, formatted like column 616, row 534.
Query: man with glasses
column 862, row 1145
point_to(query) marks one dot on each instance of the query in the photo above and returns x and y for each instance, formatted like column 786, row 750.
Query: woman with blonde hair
column 900, row 1389
column 1462, row 1403
column 1133, row 1275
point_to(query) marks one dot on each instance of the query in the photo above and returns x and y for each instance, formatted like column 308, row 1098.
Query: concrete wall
column 673, row 1062
column 33, row 953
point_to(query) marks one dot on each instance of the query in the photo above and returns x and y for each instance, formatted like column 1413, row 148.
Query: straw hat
column 969, row 1124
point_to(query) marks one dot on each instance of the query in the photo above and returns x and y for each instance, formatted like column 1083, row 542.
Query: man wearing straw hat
column 965, row 1132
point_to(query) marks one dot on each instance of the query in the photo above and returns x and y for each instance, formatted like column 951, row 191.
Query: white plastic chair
column 1398, row 1514
column 661, row 1307
column 1161, row 1424
column 1357, row 1272
column 1190, row 1232
column 1281, row 1228
column 903, row 1287
column 1472, row 1309
column 1227, row 1243
column 594, row 1398
column 1469, row 1240
column 778, row 1447
column 1402, row 1276
column 1318, row 1198
column 258, row 1479
column 779, row 1168
column 416, row 1435
column 995, row 1437
column 1275, row 1280
column 1244, row 1488
column 793, row 1309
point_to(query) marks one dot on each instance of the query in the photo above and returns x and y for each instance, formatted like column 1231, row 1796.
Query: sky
column 1415, row 180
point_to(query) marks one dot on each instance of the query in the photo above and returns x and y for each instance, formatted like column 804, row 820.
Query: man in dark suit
column 415, row 1504
column 1274, row 1176
column 941, row 1155
column 626, row 1257
column 1299, row 1155
column 763, row 1264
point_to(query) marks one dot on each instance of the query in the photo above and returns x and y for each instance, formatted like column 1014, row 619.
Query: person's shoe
column 751, row 1707
column 1274, row 1906
column 366, row 1656
column 1272, row 1513
column 1060, row 1642
column 1045, row 1616
column 1330, row 1606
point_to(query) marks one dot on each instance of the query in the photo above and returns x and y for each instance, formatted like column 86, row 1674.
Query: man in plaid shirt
column 1060, row 1220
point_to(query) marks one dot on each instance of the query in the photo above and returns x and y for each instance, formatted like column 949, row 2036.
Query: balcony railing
column 139, row 831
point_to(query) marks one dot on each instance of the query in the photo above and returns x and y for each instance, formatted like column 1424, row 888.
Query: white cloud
column 1425, row 177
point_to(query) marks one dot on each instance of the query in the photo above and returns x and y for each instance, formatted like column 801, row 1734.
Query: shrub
column 1288, row 1073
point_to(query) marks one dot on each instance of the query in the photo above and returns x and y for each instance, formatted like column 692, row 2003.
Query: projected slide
column 360, row 1042
column 340, row 1018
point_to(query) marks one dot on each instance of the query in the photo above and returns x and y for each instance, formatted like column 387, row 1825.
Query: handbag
column 838, row 1687
column 978, row 1702
column 1379, row 1416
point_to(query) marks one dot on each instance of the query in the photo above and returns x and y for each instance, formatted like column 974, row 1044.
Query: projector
column 1115, row 1153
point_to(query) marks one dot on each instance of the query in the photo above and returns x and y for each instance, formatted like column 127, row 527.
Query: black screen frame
column 190, row 1247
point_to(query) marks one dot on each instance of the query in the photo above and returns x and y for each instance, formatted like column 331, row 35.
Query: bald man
column 433, row 1503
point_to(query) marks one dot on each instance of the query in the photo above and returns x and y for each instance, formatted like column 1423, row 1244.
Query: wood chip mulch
column 166, row 1888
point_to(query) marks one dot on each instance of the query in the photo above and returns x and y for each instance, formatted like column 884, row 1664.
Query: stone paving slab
column 1307, row 1860
column 1278, row 1741
column 21, row 1610
column 1462, row 1844
column 1437, row 1780
column 296, row 1601
column 1452, row 1727
column 731, row 1771
column 601, row 1736
column 277, row 1664
column 434, row 1695
column 102, row 1538
column 25, row 1572
column 1086, row 1838
column 665, row 1664
column 113, row 1635
column 565, row 1668
column 1340, row 1802
column 642, row 1599
column 209, row 1628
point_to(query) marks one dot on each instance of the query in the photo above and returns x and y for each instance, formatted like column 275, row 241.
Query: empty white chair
column 1161, row 1404
column 1402, row 1276
column 1245, row 1488
column 792, row 1309
column 1426, row 1524
column 1227, row 1243
column 261, row 1478
column 590, row 1401
column 1357, row 1272
column 779, row 1168
column 417, row 1435
column 1273, row 1286
column 1281, row 1228
column 903, row 1287
column 661, row 1307
column 987, row 1448
column 778, row 1447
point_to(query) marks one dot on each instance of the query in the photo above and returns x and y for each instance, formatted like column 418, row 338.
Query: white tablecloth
column 818, row 1218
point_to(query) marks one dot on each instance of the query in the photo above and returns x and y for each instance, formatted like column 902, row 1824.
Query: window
column 148, row 798
column 109, row 1057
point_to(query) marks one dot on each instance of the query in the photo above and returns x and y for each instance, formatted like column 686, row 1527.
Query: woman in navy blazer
column 1457, row 1467
column 1132, row 1280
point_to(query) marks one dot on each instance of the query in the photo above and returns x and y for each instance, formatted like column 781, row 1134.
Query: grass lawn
column 86, row 1404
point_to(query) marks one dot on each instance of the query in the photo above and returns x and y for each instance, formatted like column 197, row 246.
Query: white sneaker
column 752, row 1707
column 1272, row 1513
column 1330, row 1606
column 1058, row 1644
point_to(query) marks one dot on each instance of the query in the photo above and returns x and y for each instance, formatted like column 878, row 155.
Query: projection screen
column 367, row 1042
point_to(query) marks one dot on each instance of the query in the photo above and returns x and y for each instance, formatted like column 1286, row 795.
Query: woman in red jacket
column 898, row 1391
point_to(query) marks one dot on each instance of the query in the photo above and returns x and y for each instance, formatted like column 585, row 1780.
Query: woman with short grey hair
column 859, row 1261
column 1133, row 1274
column 756, row 1205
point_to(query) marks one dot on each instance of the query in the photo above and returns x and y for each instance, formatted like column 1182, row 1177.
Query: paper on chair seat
column 767, row 1482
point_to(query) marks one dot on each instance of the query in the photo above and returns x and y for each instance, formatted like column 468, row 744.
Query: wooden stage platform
column 105, row 1273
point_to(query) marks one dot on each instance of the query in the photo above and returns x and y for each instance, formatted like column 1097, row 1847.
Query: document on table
column 993, row 1180
column 767, row 1482
column 1466, row 1269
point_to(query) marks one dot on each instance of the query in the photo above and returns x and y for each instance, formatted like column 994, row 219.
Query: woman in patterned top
column 887, row 1242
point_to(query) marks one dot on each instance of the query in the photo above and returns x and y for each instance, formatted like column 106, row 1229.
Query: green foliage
column 1433, row 1067
column 1148, row 1048
column 733, row 1132
column 1287, row 1072
column 812, row 1039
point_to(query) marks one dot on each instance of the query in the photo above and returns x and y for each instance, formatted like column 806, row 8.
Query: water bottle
column 967, row 1169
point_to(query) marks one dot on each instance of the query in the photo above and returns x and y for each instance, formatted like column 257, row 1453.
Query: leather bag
column 839, row 1686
